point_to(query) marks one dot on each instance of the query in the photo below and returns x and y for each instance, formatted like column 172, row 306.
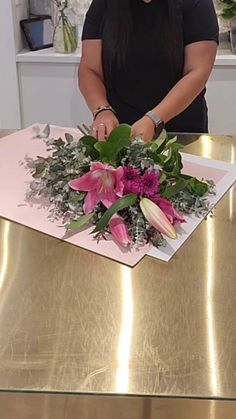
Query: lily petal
column 87, row 182
column 171, row 213
column 119, row 230
column 90, row 201
column 97, row 165
column 156, row 217
column 107, row 198
column 119, row 173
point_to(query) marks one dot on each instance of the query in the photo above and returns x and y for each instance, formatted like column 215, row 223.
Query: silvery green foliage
column 188, row 203
column 137, row 155
column 52, row 174
column 139, row 228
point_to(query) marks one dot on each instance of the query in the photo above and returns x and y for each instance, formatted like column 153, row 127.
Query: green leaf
column 173, row 160
column 39, row 168
column 76, row 224
column 170, row 159
column 172, row 141
column 173, row 150
column 88, row 140
column 162, row 177
column 121, row 203
column 178, row 165
column 69, row 138
column 179, row 186
column 59, row 142
column 117, row 140
column 197, row 187
column 157, row 158
column 158, row 145
column 89, row 143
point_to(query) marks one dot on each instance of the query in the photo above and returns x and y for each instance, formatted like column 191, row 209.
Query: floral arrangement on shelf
column 123, row 186
column 65, row 35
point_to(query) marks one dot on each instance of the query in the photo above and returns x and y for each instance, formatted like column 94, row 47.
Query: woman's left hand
column 144, row 127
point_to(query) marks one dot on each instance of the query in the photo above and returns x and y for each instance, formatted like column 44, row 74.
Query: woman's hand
column 144, row 127
column 103, row 124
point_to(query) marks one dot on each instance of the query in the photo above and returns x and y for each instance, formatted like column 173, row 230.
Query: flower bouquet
column 125, row 187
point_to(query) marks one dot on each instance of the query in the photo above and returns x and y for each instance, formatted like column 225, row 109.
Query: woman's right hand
column 103, row 124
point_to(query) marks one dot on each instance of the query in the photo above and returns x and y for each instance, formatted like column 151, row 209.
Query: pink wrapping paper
column 14, row 181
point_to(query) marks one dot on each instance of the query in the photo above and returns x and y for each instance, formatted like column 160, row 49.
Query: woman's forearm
column 181, row 95
column 198, row 63
column 92, row 88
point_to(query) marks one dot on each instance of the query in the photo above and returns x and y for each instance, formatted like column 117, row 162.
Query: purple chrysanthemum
column 131, row 180
column 130, row 173
column 150, row 183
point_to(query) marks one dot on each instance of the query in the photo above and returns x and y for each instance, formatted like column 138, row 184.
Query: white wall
column 10, row 42
column 20, row 11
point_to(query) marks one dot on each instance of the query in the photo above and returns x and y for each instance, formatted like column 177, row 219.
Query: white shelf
column 47, row 55
column 224, row 57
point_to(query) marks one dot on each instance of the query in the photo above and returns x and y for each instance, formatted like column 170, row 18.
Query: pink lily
column 119, row 230
column 169, row 210
column 103, row 184
column 156, row 217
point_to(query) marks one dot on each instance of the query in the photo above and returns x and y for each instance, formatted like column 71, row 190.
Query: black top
column 147, row 77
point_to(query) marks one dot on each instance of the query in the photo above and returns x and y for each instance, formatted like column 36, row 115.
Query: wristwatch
column 159, row 124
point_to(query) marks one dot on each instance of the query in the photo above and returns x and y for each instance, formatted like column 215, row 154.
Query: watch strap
column 159, row 124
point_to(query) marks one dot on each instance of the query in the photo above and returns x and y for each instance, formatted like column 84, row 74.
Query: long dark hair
column 118, row 26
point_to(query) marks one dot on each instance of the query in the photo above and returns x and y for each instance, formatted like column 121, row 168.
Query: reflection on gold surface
column 212, row 355
column 205, row 139
column 212, row 413
column 5, row 252
column 214, row 384
column 122, row 376
column 231, row 192
column 45, row 406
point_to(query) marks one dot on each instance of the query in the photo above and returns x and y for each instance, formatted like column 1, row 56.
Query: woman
column 146, row 62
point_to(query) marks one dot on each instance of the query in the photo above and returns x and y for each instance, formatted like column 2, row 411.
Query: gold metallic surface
column 73, row 321
column 51, row 406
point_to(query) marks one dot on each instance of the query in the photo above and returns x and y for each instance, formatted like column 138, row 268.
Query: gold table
column 97, row 332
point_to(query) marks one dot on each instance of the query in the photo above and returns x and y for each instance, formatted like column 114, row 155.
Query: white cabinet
column 221, row 98
column 49, row 94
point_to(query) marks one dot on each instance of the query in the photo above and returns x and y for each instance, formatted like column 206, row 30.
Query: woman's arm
column 91, row 83
column 199, row 61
